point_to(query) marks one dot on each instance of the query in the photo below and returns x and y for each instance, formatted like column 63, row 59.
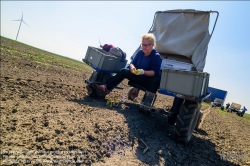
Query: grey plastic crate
column 103, row 60
column 189, row 83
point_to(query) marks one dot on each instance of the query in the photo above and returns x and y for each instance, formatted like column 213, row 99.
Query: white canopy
column 183, row 32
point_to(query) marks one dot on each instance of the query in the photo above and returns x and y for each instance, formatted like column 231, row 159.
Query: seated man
column 143, row 70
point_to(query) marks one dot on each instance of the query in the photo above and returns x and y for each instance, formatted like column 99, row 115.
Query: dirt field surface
column 47, row 118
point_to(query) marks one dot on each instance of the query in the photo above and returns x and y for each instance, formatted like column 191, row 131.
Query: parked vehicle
column 182, row 36
column 217, row 102
column 234, row 107
column 216, row 93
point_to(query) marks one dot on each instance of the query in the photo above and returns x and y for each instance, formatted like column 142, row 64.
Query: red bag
column 107, row 47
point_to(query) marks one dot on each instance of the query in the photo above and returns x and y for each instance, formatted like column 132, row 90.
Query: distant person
column 143, row 70
column 243, row 111
column 227, row 106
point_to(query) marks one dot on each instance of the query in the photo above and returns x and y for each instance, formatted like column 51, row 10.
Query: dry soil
column 47, row 118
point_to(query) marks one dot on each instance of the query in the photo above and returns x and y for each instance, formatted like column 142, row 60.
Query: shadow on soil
column 153, row 140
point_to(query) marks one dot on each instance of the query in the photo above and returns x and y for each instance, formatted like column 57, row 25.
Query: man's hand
column 139, row 72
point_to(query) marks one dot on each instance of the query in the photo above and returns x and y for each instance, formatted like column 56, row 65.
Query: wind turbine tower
column 21, row 20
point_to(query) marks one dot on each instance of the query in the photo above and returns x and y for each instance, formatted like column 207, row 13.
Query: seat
column 136, row 86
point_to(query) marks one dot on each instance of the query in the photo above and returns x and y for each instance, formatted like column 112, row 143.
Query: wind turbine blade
column 16, row 20
column 25, row 23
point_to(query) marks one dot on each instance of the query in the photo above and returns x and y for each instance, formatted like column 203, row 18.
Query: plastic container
column 188, row 83
column 176, row 65
column 103, row 60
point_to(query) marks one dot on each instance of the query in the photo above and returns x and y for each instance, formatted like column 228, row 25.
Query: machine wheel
column 199, row 121
column 142, row 111
column 133, row 93
column 91, row 91
column 172, row 116
column 186, row 120
column 105, row 78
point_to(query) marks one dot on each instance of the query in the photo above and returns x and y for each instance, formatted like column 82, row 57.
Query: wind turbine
column 21, row 20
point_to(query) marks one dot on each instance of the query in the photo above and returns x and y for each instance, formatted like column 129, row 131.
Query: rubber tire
column 91, row 91
column 105, row 78
column 94, row 93
column 174, row 111
column 133, row 93
column 198, row 121
column 186, row 121
column 145, row 112
column 172, row 117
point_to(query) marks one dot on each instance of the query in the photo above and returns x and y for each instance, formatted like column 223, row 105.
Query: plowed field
column 47, row 118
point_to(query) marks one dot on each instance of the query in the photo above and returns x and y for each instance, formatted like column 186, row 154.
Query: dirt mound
column 47, row 117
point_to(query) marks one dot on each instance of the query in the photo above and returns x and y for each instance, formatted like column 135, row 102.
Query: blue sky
column 68, row 28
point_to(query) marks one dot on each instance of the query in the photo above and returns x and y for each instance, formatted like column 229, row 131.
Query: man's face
column 147, row 46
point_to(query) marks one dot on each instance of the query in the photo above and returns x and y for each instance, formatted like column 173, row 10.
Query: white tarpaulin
column 183, row 32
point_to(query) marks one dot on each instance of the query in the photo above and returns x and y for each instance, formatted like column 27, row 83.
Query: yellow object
column 137, row 72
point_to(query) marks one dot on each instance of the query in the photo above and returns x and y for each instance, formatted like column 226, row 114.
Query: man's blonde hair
column 150, row 37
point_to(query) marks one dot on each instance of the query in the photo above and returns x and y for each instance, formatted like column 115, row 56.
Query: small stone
column 14, row 111
column 107, row 154
column 46, row 124
column 57, row 131
column 160, row 153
